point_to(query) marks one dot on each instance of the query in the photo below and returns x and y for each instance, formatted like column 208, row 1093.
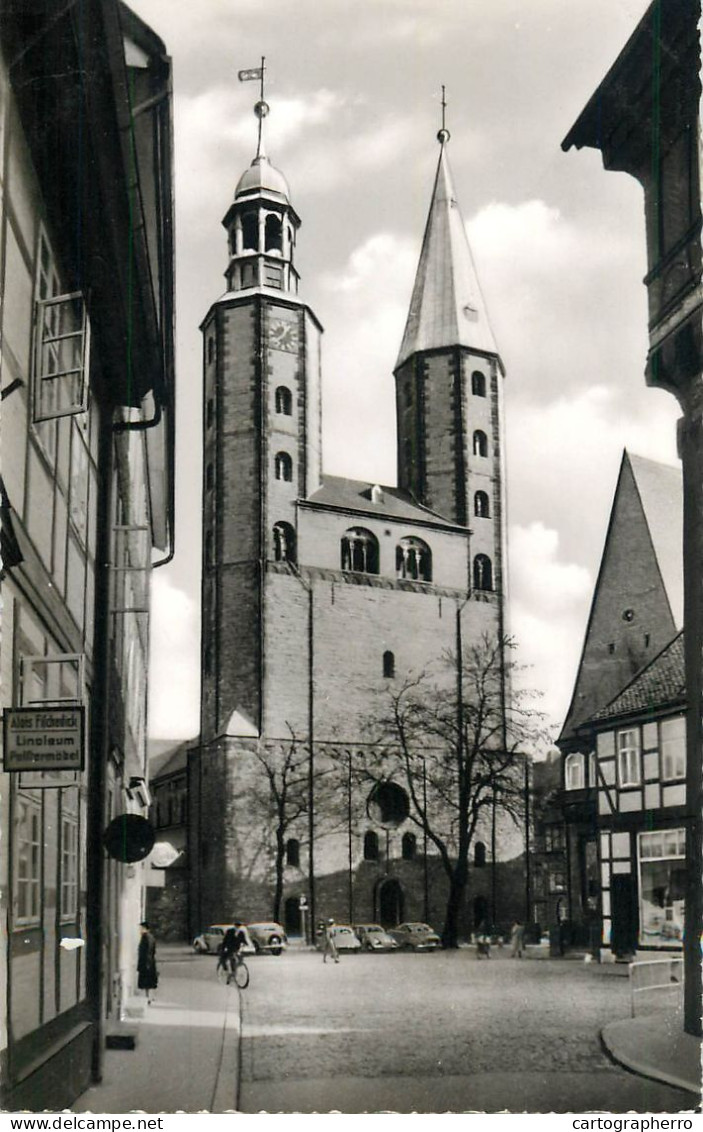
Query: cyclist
column 231, row 953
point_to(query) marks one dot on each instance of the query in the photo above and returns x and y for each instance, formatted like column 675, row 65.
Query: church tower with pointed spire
column 449, row 389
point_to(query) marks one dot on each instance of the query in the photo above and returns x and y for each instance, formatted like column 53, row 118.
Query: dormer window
column 359, row 551
column 413, row 560
column 574, row 776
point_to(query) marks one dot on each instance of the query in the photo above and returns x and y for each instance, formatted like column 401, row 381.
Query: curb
column 617, row 1049
column 226, row 1091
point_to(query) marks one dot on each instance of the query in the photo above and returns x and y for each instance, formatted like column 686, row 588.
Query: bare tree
column 281, row 796
column 459, row 747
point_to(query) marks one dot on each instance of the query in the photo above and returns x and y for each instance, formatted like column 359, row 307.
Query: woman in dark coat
column 146, row 962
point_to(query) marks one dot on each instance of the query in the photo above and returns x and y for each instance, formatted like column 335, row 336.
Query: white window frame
column 628, row 757
column 69, row 867
column 677, row 755
column 571, row 762
column 28, row 851
column 51, row 333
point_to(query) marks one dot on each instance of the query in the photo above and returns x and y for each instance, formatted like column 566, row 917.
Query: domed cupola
column 261, row 223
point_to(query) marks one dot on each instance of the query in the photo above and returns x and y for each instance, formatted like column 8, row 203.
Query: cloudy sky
column 354, row 90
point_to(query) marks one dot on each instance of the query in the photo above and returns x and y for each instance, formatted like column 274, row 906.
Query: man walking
column 330, row 945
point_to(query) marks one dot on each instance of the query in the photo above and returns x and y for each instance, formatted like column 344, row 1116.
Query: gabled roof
column 661, row 493
column 637, row 603
column 358, row 495
column 661, row 684
column 167, row 756
column 446, row 308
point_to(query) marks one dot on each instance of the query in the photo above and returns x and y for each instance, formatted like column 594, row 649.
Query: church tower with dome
column 321, row 593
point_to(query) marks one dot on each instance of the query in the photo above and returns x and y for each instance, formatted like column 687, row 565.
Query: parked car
column 416, row 937
column 373, row 937
column 268, row 936
column 210, row 940
column 344, row 938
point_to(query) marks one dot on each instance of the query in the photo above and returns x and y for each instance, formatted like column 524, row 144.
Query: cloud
column 548, row 598
column 174, row 687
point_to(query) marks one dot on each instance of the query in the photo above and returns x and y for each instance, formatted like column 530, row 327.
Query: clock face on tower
column 283, row 335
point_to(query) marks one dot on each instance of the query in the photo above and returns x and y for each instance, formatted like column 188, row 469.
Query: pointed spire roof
column 447, row 307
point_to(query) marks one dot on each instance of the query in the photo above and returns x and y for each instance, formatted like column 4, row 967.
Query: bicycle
column 238, row 970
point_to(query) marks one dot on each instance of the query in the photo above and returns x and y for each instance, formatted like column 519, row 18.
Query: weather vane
column 443, row 135
column 261, row 108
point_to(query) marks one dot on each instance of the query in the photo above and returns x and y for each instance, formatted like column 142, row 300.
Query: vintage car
column 267, row 936
column 373, row 937
column 416, row 937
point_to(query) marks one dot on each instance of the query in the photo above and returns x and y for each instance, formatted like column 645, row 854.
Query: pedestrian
column 330, row 945
column 483, row 941
column 517, row 939
column 148, row 977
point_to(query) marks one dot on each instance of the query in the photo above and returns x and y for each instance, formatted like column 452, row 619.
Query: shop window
column 574, row 772
column 359, row 551
column 284, row 467
column 283, row 542
column 370, row 846
column 482, row 509
column 409, row 846
column 478, row 383
column 628, row 756
column 483, row 572
column 662, row 869
column 673, row 748
column 480, row 443
column 479, row 855
column 293, row 852
column 388, row 664
column 413, row 560
column 284, row 401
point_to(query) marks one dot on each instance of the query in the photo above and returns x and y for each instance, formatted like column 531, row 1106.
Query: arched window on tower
column 479, row 854
column 360, row 551
column 480, row 443
column 370, row 846
column 482, row 508
column 250, row 231
column 483, row 572
column 409, row 846
column 284, row 401
column 293, row 852
column 273, row 234
column 413, row 559
column 283, row 542
column 388, row 664
column 284, row 467
column 478, row 383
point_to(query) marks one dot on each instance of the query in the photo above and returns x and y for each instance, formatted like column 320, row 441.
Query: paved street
column 440, row 1032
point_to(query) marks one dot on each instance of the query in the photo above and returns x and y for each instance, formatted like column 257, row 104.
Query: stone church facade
column 321, row 593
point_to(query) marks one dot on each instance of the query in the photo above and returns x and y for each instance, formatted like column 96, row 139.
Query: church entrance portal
column 390, row 903
column 291, row 916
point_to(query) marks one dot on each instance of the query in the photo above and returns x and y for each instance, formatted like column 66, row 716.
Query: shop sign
column 44, row 738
